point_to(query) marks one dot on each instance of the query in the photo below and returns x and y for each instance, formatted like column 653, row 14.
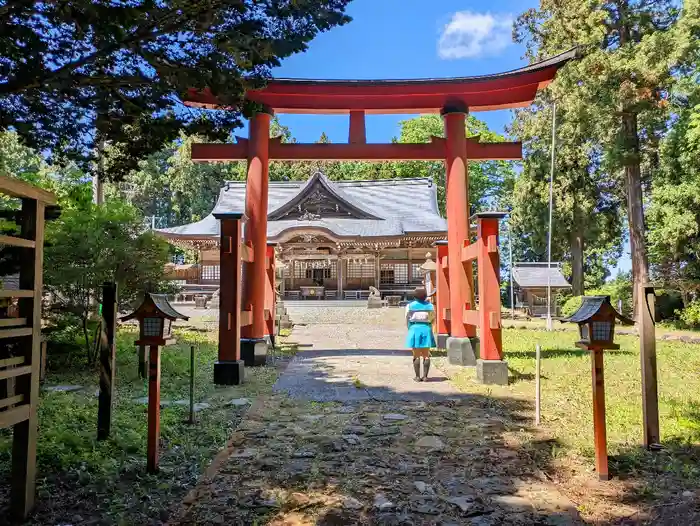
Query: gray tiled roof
column 531, row 275
column 403, row 206
column 589, row 306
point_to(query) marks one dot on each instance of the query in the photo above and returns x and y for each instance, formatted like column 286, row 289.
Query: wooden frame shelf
column 9, row 362
column 17, row 241
column 16, row 293
column 23, row 370
column 6, row 402
column 14, row 416
column 12, row 322
column 16, row 333
column 15, row 372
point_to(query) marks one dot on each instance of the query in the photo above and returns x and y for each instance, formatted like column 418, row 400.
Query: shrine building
column 333, row 239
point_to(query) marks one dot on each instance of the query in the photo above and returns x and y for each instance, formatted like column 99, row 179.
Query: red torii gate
column 453, row 98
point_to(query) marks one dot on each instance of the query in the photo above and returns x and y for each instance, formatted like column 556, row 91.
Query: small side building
column 531, row 281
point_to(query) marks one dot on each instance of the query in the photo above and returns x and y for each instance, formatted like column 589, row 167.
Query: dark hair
column 420, row 294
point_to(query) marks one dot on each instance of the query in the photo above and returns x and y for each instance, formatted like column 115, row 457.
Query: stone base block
column 374, row 304
column 462, row 351
column 254, row 351
column 229, row 373
column 492, row 372
column 442, row 341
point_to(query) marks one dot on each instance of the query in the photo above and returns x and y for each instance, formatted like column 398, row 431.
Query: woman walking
column 419, row 320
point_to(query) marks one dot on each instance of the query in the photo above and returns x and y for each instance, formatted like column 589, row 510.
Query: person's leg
column 426, row 364
column 416, row 364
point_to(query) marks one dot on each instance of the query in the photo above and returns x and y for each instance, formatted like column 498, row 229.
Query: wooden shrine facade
column 333, row 239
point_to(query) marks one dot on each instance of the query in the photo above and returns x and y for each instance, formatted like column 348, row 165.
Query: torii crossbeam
column 453, row 98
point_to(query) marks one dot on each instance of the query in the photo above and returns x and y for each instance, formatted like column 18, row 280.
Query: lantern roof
column 429, row 264
column 591, row 305
column 155, row 304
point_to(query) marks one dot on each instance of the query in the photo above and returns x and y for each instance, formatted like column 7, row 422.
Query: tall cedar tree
column 586, row 233
column 77, row 74
column 631, row 50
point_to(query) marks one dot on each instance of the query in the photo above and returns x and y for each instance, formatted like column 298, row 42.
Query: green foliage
column 614, row 96
column 77, row 472
column 169, row 186
column 571, row 305
column 619, row 289
column 586, row 226
column 489, row 181
column 79, row 72
column 674, row 210
column 690, row 315
column 90, row 245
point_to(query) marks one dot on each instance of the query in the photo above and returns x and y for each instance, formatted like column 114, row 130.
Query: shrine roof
column 379, row 208
column 537, row 275
column 510, row 89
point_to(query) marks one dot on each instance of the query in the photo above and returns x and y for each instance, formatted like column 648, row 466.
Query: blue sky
column 391, row 39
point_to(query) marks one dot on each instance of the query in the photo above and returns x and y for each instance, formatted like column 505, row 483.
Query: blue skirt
column 420, row 336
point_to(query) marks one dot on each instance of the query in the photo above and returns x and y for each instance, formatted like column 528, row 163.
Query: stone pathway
column 349, row 439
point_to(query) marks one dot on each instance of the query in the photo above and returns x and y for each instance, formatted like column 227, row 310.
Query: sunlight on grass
column 68, row 449
column 566, row 390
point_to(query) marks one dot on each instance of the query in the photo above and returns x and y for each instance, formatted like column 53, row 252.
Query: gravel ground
column 349, row 438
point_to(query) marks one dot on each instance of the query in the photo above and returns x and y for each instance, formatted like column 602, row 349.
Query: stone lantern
column 429, row 275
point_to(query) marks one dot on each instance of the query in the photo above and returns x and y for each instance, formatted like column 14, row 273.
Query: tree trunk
column 635, row 209
column 577, row 252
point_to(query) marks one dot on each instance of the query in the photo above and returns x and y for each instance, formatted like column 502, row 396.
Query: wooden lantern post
column 596, row 320
column 155, row 316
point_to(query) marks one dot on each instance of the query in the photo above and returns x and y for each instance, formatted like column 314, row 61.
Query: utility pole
column 549, row 235
column 98, row 191
column 510, row 247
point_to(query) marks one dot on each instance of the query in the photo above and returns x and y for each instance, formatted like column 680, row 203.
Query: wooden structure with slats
column 21, row 338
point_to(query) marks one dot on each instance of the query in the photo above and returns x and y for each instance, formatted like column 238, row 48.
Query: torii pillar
column 253, row 342
column 462, row 345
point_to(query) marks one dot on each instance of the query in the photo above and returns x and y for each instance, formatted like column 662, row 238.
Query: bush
column 669, row 304
column 690, row 316
column 571, row 305
column 89, row 245
column 620, row 289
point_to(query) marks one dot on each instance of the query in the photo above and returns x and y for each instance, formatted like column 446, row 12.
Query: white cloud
column 470, row 35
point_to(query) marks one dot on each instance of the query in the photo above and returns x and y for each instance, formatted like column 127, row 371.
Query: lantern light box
column 155, row 316
column 596, row 322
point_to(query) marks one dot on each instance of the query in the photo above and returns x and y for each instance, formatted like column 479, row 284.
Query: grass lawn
column 565, row 441
column 83, row 481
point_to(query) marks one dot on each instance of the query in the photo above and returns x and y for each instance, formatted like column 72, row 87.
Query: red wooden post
column 490, row 367
column 461, row 278
column 461, row 345
column 599, row 431
column 357, row 128
column 253, row 345
column 228, row 370
column 443, row 295
column 153, row 409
